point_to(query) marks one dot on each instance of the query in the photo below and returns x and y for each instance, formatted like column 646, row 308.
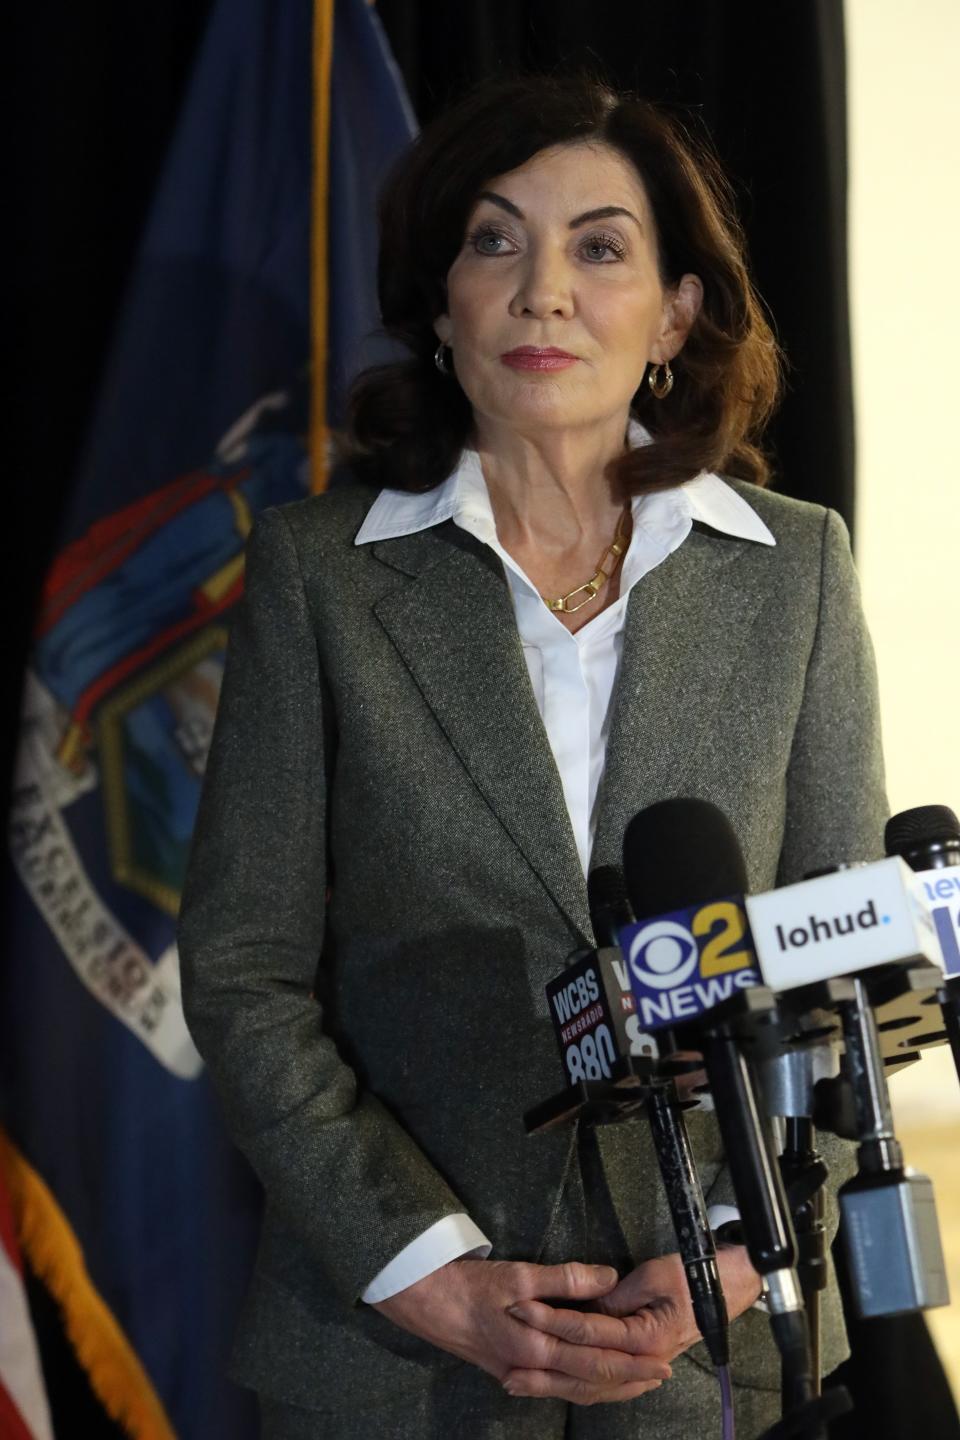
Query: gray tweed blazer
column 383, row 879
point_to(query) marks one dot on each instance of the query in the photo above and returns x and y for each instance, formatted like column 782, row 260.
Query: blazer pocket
column 287, row 1349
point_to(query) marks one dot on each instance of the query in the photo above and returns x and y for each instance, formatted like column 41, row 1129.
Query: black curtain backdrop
column 95, row 91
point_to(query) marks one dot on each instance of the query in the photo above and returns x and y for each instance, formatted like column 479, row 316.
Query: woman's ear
column 680, row 309
column 442, row 329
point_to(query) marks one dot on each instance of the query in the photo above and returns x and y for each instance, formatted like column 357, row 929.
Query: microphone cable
column 728, row 1428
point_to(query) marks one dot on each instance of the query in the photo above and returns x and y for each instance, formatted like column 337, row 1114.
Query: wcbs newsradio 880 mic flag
column 258, row 255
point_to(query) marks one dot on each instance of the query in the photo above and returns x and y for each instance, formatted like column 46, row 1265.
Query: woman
column 451, row 684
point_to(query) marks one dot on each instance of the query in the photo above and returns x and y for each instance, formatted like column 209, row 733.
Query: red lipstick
column 531, row 357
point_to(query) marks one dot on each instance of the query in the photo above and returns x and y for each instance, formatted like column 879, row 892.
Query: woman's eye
column 605, row 242
column 480, row 238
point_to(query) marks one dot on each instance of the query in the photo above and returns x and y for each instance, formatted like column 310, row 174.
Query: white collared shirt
column 573, row 677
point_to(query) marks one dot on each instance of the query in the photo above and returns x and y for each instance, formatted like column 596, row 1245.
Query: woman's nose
column 545, row 286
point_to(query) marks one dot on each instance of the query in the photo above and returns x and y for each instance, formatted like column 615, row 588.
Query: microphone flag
column 940, row 892
column 683, row 963
column 840, row 924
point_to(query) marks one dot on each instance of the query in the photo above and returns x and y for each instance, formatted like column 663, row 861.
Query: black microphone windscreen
column 606, row 888
column 609, row 906
column 678, row 853
column 924, row 825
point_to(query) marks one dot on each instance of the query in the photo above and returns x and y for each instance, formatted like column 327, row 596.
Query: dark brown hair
column 406, row 423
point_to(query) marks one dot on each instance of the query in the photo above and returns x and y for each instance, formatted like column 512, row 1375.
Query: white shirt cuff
column 718, row 1215
column 448, row 1239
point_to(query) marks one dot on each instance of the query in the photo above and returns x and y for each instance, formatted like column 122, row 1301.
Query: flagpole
column 322, row 67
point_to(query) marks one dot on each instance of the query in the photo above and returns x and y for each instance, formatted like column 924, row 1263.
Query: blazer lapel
column 456, row 632
column 687, row 624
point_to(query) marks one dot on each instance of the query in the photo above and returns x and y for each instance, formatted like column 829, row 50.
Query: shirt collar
column 707, row 499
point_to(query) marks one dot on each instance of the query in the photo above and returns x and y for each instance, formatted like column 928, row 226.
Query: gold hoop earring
column 661, row 388
column 439, row 361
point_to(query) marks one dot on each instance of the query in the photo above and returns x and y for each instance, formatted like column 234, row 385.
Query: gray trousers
column 464, row 1403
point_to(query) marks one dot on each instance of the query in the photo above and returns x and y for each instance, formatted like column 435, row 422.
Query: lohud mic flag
column 130, row 1203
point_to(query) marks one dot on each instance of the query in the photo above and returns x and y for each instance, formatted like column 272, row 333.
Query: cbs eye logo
column 663, row 954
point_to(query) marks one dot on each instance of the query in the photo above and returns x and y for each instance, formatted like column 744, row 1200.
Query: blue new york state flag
column 132, row 1206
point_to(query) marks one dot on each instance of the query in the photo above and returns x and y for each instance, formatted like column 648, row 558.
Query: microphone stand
column 888, row 1219
column 807, row 1051
column 733, row 1036
column 949, row 999
column 804, row 1173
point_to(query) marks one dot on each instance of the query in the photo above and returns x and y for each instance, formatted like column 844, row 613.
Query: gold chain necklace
column 593, row 586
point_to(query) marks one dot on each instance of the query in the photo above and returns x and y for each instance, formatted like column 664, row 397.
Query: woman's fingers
column 634, row 1334
column 653, row 1282
column 596, row 1365
column 570, row 1281
column 544, row 1384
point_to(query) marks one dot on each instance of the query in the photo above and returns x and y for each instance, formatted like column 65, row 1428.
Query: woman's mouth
column 528, row 357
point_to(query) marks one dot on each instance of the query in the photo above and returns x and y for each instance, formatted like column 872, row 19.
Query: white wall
column 904, row 130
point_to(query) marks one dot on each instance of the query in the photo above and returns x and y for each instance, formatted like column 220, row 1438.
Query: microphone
column 696, row 984
column 889, row 1218
column 610, row 913
column 928, row 838
column 690, row 954
column 812, row 938
column 823, row 943
column 609, row 906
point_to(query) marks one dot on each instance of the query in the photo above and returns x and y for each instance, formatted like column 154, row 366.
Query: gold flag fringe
column 54, row 1255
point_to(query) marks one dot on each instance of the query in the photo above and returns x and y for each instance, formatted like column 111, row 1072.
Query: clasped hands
column 494, row 1314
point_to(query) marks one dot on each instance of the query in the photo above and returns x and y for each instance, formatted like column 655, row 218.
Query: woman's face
column 538, row 268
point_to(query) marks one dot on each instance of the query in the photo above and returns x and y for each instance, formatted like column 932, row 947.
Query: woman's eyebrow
column 599, row 214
